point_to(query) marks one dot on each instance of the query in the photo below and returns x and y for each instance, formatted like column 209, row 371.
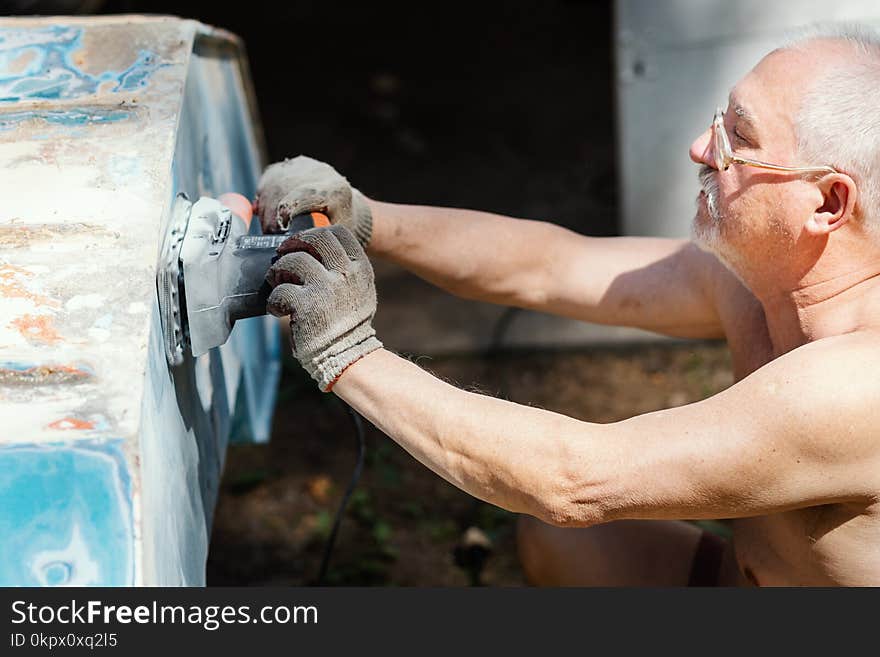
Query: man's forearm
column 520, row 458
column 472, row 254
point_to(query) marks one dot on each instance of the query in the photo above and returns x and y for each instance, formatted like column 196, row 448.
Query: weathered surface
column 108, row 460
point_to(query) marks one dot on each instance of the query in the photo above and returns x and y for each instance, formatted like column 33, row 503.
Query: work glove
column 324, row 281
column 303, row 185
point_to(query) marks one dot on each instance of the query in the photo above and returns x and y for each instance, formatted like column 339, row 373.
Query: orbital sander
column 212, row 271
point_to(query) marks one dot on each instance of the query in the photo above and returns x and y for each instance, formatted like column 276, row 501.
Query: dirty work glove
column 303, row 185
column 324, row 281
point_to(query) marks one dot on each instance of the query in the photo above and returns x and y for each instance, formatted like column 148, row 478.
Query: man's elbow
column 571, row 515
column 573, row 502
column 506, row 288
column 462, row 283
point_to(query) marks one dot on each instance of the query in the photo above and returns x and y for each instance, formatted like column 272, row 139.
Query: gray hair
column 838, row 123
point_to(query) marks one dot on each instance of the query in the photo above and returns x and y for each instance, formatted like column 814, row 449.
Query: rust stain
column 37, row 328
column 8, row 271
column 68, row 423
column 14, row 235
column 11, row 288
column 43, row 375
column 49, row 152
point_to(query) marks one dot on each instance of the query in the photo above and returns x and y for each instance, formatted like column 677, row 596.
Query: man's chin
column 702, row 244
column 705, row 232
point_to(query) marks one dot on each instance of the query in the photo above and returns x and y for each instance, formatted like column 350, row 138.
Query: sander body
column 212, row 271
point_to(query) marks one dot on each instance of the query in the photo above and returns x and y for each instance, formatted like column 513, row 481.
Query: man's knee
column 526, row 546
column 535, row 543
column 620, row 553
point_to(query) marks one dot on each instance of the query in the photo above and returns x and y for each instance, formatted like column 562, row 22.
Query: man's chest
column 819, row 545
column 830, row 544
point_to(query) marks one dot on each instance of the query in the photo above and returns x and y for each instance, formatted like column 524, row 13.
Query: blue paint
column 104, row 321
column 20, row 366
column 58, row 573
column 66, row 118
column 258, row 343
column 51, row 72
column 66, row 515
column 136, row 75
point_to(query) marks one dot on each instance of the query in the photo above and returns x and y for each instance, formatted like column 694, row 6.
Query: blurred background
column 579, row 112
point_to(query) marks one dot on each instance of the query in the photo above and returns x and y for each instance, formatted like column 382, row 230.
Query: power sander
column 212, row 271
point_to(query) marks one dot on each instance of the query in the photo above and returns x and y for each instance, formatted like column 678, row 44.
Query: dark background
column 500, row 106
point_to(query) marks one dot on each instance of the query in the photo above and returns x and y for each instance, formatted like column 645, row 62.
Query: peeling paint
column 37, row 328
column 17, row 374
column 65, row 118
column 68, row 423
column 90, row 162
column 19, row 235
column 12, row 285
column 52, row 71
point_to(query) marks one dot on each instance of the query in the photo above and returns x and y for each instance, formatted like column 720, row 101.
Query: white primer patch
column 82, row 301
column 71, row 565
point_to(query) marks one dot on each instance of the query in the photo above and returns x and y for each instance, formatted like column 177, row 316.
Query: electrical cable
column 358, row 423
column 495, row 344
column 499, row 331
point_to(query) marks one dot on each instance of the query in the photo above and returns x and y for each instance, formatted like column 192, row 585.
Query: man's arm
column 795, row 433
column 661, row 285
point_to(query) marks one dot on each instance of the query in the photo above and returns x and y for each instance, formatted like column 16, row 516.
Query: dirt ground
column 403, row 523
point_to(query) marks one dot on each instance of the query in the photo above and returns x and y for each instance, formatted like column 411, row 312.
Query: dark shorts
column 708, row 558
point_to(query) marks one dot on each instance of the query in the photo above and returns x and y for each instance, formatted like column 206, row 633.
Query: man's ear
column 836, row 206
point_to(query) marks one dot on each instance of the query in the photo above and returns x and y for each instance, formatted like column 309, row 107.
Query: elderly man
column 788, row 225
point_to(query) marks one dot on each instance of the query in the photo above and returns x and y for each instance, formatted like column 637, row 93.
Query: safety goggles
column 724, row 155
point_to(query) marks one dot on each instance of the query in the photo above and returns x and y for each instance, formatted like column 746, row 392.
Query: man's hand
column 324, row 281
column 303, row 185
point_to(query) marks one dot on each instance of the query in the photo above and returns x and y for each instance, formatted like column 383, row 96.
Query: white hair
column 838, row 123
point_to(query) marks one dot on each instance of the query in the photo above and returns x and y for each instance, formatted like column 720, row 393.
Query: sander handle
column 257, row 253
column 299, row 223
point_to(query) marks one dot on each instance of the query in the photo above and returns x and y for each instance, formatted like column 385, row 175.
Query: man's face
column 749, row 217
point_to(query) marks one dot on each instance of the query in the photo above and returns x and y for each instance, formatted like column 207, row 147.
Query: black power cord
column 358, row 423
column 499, row 331
column 502, row 324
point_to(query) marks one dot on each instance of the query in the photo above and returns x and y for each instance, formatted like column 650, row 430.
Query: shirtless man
column 787, row 273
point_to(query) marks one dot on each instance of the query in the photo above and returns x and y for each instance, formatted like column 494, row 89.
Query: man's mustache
column 707, row 179
column 709, row 184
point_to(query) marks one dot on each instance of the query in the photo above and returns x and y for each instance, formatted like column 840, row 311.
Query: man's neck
column 823, row 308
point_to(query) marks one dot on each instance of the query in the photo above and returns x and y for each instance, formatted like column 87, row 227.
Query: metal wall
column 676, row 61
column 109, row 459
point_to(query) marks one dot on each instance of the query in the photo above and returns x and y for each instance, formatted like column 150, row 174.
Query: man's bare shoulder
column 849, row 360
column 830, row 392
column 740, row 314
column 799, row 431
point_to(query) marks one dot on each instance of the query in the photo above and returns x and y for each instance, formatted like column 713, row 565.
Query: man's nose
column 701, row 149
